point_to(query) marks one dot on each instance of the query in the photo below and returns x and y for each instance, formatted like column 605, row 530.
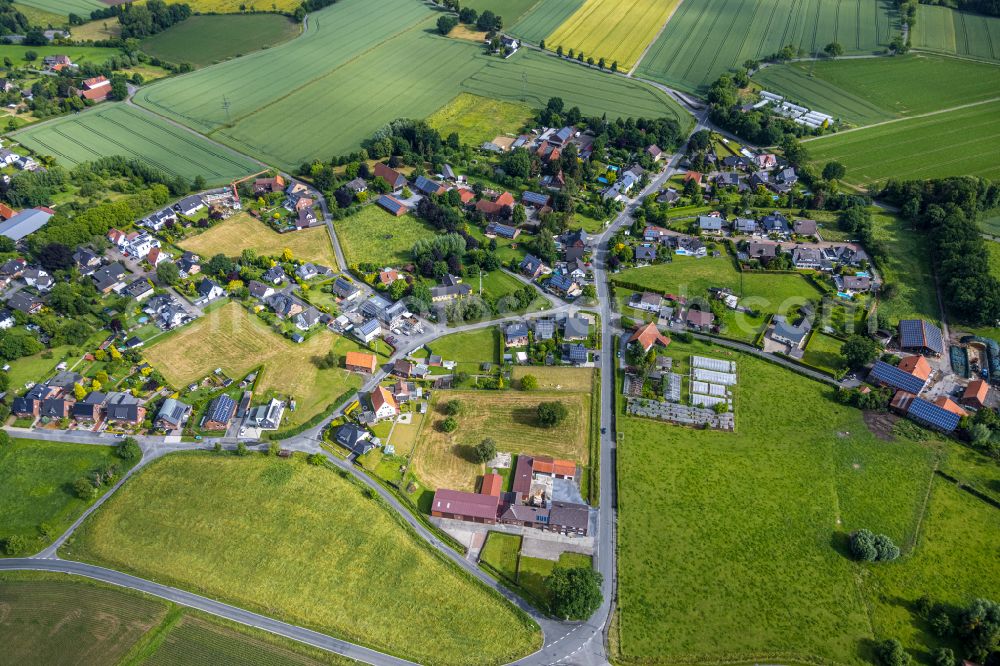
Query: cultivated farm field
column 367, row 65
column 964, row 142
column 241, row 232
column 49, row 620
column 959, row 33
column 706, row 39
column 616, row 30
column 117, row 129
column 315, row 550
column 875, row 89
column 542, row 19
column 203, row 40
column 37, row 489
column 231, row 339
column 758, row 519
column 66, row 7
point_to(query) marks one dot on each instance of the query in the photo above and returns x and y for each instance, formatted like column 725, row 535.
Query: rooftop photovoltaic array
column 930, row 414
column 920, row 333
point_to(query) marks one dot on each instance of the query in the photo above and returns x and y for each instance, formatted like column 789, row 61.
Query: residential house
column 86, row 259
column 7, row 320
column 494, row 229
column 345, row 289
column 470, row 507
column 807, row 258
column 647, row 301
column 699, row 319
column 209, row 290
column 259, row 290
column 655, row 153
column 516, row 334
column 173, row 415
column 449, row 292
column 689, row 246
column 354, row 438
column 668, row 196
column 25, row 302
column 360, row 362
column 805, row 227
column 387, row 276
column 857, row 283
column 157, row 256
column 383, row 404
column 532, row 266
column 745, row 225
column 284, row 305
column 57, row 63
column 575, row 354
column 266, row 416
column 563, row 284
column 54, row 408
column 648, row 335
column 160, row 219
column 762, row 251
column 499, row 208
column 139, row 289
column 190, row 264
column 109, row 278
column 96, row 89
column 545, row 329
column 37, row 278
column 219, row 413
column 123, row 409
column 976, row 394
column 269, row 185
column 775, row 223
column 25, row 407
column 535, row 199
column 788, row 333
column 645, row 253
column 274, row 275
column 409, row 369
column 307, row 318
column 12, row 269
column 576, row 328
column 709, row 224
column 387, row 312
column 189, row 205
column 885, row 374
column 90, row 408
column 306, row 218
column 427, row 186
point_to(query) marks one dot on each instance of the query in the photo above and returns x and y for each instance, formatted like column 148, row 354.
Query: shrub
column 273, row 449
column 129, row 450
column 891, row 653
column 449, row 424
column 4, row 438
column 84, row 489
column 241, row 449
column 485, row 450
column 529, row 383
column 943, row 657
column 453, row 407
column 15, row 545
column 316, row 459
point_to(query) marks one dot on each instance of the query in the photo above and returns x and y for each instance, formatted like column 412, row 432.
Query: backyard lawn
column 315, row 550
column 469, row 349
column 232, row 339
column 37, row 499
column 823, row 352
column 443, row 460
column 242, row 232
column 759, row 519
column 376, row 237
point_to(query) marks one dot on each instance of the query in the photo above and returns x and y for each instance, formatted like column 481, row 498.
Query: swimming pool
column 845, row 295
column 862, row 274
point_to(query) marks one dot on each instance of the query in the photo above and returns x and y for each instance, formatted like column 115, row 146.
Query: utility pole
column 225, row 107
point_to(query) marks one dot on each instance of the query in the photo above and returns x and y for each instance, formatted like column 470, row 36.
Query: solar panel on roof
column 930, row 414
column 896, row 378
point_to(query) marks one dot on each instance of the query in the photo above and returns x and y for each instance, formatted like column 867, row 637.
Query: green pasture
column 95, row 55
column 37, row 500
column 41, row 17
column 543, row 18
column 972, row 469
column 908, row 290
column 964, row 142
column 706, row 39
column 958, row 33
column 117, row 129
column 366, row 65
column 65, row 7
column 757, row 522
column 871, row 90
column 316, row 550
column 375, row 236
column 990, row 222
column 203, row 40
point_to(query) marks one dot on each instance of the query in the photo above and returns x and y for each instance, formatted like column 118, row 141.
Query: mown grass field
column 241, row 232
column 315, row 550
column 116, row 129
column 478, row 119
column 37, row 489
column 469, row 349
column 367, row 65
column 65, row 7
column 232, row 339
column 49, row 620
column 613, row 30
column 964, row 142
column 376, row 237
column 823, row 351
column 502, row 552
column 556, row 378
column 542, row 19
column 959, row 33
column 757, row 520
column 107, row 28
column 706, row 39
column 871, row 90
column 58, row 619
column 203, row 40
column 443, row 460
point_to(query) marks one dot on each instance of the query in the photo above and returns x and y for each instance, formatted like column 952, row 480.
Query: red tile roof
column 492, row 484
column 976, row 392
column 916, row 366
column 947, row 404
column 649, row 335
column 360, row 360
column 469, row 505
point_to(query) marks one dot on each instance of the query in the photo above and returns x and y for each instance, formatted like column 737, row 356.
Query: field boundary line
column 659, row 32
column 992, row 100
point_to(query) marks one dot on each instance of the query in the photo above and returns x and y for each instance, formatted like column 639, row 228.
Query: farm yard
column 316, row 551
column 706, row 39
column 958, row 33
column 798, row 486
column 442, row 460
column 241, row 232
column 58, row 619
column 231, row 339
column 203, row 40
column 478, row 119
column 542, row 19
column 871, row 90
column 374, row 236
column 279, row 99
column 612, row 29
column 961, row 142
column 116, row 129
column 45, row 472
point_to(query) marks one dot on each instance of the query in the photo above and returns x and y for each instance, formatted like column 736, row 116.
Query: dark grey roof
column 568, row 514
column 354, row 437
column 221, row 409
column 920, row 333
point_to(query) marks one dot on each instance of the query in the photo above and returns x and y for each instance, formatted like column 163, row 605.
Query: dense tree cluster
column 869, row 547
column 147, row 19
column 975, row 627
column 575, row 593
column 947, row 209
column 439, row 255
column 12, row 21
column 759, row 126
